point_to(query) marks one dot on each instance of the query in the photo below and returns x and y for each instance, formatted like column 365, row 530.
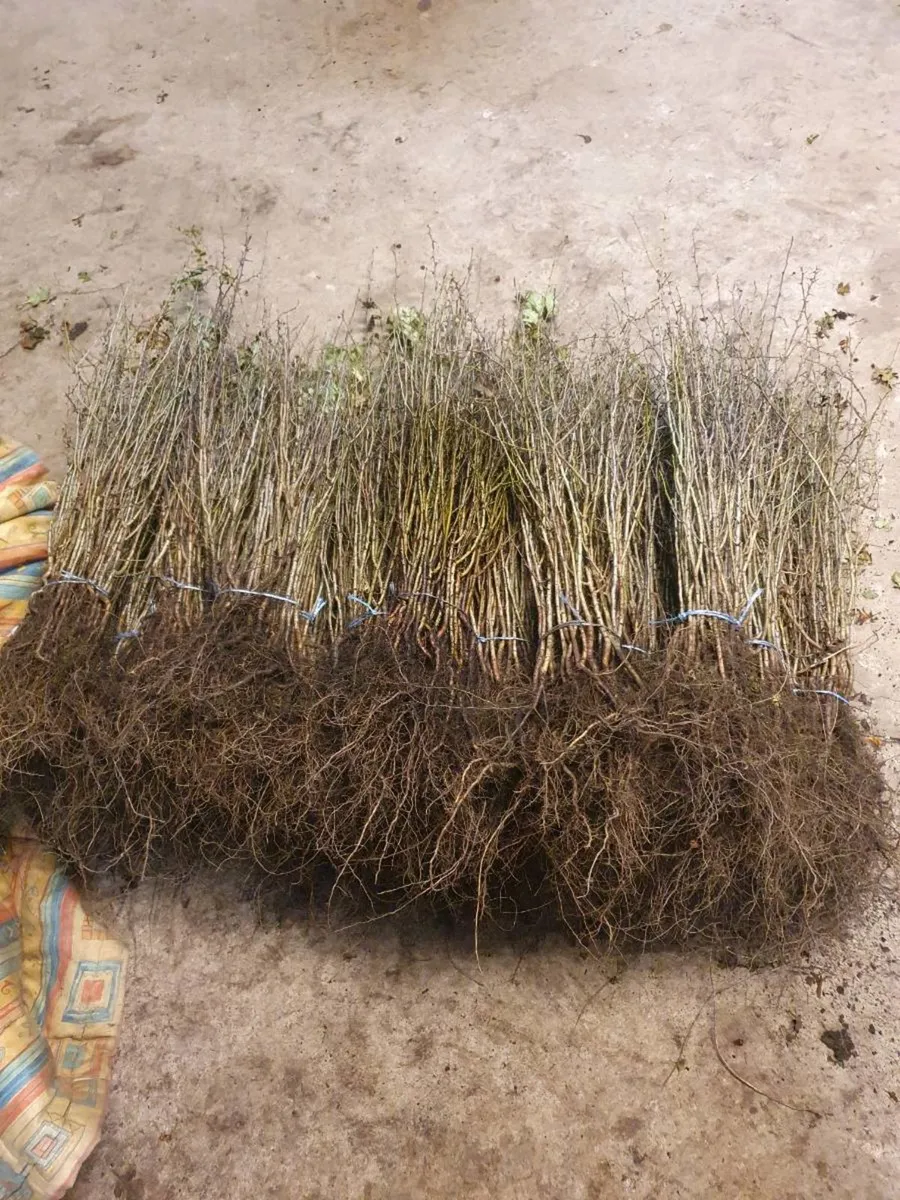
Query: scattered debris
column 843, row 289
column 84, row 277
column 31, row 334
column 812, row 137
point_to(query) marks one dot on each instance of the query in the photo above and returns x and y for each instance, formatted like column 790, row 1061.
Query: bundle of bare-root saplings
column 464, row 614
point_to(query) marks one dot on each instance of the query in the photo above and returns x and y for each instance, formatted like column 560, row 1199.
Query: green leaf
column 824, row 325
column 406, row 324
column 84, row 277
column 40, row 295
column 536, row 308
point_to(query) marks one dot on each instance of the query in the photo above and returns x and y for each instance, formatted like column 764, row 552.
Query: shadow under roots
column 702, row 809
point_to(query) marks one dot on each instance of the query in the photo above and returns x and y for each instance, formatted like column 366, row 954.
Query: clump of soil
column 840, row 1043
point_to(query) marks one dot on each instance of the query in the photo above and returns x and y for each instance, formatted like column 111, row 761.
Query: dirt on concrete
column 593, row 147
column 839, row 1042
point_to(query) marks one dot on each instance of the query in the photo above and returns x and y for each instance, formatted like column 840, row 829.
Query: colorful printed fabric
column 61, row 992
column 26, row 500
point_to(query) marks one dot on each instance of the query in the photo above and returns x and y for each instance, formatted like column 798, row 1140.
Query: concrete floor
column 595, row 146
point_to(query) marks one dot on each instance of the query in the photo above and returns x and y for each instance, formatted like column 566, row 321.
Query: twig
column 740, row 1078
column 471, row 978
column 680, row 1061
column 590, row 1000
column 512, row 978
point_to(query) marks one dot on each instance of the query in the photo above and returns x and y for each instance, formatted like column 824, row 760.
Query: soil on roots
column 236, row 728
column 685, row 801
column 701, row 808
column 427, row 795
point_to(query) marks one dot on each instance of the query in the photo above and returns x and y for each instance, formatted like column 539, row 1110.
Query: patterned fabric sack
column 61, row 993
column 27, row 498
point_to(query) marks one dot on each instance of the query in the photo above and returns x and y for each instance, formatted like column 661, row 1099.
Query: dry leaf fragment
column 885, row 377
column 31, row 334
column 843, row 289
